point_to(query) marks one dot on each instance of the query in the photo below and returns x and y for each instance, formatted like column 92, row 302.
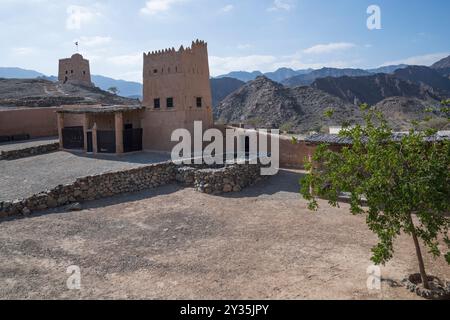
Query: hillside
column 265, row 103
column 307, row 79
column 372, row 89
column 220, row 88
column 307, row 76
column 242, row 75
column 425, row 76
column 44, row 93
column 18, row 73
column 126, row 88
column 442, row 64
column 401, row 111
column 387, row 69
column 278, row 75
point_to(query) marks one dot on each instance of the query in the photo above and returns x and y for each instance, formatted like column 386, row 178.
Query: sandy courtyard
column 175, row 243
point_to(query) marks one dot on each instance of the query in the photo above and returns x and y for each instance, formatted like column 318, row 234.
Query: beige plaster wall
column 184, row 76
column 37, row 122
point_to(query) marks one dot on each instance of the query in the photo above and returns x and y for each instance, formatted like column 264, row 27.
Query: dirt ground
column 175, row 243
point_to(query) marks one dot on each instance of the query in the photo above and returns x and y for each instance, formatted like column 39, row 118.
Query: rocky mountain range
column 222, row 87
column 307, row 79
column 426, row 77
column 372, row 89
column 284, row 74
column 402, row 96
column 45, row 93
column 266, row 103
column 443, row 67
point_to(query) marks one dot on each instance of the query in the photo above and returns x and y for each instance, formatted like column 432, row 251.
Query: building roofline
column 101, row 109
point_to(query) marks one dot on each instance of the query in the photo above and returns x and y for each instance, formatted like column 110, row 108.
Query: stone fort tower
column 75, row 70
column 177, row 92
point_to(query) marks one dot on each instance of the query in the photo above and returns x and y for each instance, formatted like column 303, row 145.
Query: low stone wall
column 230, row 178
column 93, row 187
column 28, row 152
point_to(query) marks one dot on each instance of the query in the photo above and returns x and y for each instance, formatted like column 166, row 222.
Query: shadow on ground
column 286, row 183
column 134, row 157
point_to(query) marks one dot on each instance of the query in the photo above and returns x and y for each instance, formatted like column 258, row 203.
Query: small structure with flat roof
column 100, row 129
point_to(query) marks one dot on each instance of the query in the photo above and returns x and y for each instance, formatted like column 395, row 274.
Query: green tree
column 401, row 185
column 113, row 90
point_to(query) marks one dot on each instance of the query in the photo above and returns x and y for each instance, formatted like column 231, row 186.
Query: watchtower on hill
column 74, row 70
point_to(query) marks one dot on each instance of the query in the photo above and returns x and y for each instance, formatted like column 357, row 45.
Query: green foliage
column 329, row 113
column 388, row 181
column 294, row 140
column 286, row 127
column 113, row 90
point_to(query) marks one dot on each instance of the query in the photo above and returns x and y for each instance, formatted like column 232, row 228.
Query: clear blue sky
column 242, row 34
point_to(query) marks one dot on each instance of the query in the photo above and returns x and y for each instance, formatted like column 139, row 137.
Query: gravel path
column 24, row 177
column 176, row 243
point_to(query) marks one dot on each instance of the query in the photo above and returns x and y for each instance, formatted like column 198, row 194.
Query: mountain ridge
column 45, row 93
column 126, row 88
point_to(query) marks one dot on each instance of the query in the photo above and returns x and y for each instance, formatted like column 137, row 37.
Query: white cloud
column 153, row 7
column 424, row 60
column 23, row 51
column 227, row 8
column 133, row 59
column 329, row 48
column 285, row 5
column 221, row 65
column 79, row 15
column 244, row 46
column 93, row 41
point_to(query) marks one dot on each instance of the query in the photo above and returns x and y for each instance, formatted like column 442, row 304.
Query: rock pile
column 230, row 178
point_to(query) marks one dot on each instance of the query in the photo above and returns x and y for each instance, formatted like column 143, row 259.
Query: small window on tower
column 157, row 103
column 71, row 71
column 67, row 72
column 199, row 102
column 84, row 72
column 155, row 71
column 169, row 102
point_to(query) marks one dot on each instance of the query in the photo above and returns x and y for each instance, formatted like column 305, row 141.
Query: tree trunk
column 423, row 274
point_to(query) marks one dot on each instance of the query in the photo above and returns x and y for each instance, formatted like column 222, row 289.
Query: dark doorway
column 132, row 140
column 247, row 145
column 128, row 126
column 106, row 141
column 90, row 147
column 73, row 138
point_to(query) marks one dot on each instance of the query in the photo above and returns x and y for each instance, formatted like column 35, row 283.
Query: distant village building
column 75, row 70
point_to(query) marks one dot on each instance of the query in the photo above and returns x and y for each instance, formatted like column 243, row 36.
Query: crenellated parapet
column 196, row 46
